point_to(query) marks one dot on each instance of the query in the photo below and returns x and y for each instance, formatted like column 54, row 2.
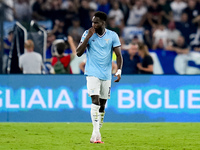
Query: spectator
column 124, row 45
column 104, row 6
column 75, row 30
column 61, row 61
column 195, row 42
column 67, row 4
column 70, row 12
column 167, row 14
column 148, row 3
column 177, row 7
column 50, row 39
column 137, row 14
column 159, row 45
column 93, row 5
column 135, row 39
column 22, row 10
column 8, row 8
column 7, row 46
column 154, row 15
column 123, row 5
column 160, row 35
column 148, row 39
column 30, row 62
column 185, row 27
column 56, row 12
column 84, row 15
column 59, row 29
column 172, row 32
column 192, row 10
column 146, row 66
column 130, row 60
column 117, row 14
column 180, row 46
column 196, row 20
column 38, row 10
column 112, row 26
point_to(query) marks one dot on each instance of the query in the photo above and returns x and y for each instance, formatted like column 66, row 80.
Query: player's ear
column 104, row 23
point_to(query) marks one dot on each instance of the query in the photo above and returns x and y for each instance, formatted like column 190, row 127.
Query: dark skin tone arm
column 82, row 46
column 117, row 51
column 98, row 26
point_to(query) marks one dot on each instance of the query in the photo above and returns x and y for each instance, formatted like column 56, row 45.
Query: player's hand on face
column 91, row 31
column 118, row 78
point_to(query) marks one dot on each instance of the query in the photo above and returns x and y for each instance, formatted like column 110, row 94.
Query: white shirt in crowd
column 173, row 34
column 31, row 63
column 9, row 15
column 135, row 15
column 22, row 11
column 177, row 9
column 161, row 34
column 117, row 14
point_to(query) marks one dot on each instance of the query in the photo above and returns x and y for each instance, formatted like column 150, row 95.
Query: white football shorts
column 95, row 86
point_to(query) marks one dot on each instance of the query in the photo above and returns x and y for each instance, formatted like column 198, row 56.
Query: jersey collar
column 102, row 34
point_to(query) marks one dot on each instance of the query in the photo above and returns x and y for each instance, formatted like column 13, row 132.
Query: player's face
column 97, row 23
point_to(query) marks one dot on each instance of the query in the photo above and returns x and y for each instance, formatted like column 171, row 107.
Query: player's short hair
column 60, row 48
column 101, row 15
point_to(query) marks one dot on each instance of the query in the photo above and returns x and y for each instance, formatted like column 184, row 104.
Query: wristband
column 119, row 72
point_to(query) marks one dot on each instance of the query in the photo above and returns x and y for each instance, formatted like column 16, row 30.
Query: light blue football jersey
column 99, row 54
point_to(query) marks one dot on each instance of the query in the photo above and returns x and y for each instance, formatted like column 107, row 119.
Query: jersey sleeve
column 116, row 41
column 84, row 36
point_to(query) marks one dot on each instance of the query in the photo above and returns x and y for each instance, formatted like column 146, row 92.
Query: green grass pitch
column 117, row 136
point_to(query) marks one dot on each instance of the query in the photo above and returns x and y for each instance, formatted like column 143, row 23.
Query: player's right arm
column 83, row 44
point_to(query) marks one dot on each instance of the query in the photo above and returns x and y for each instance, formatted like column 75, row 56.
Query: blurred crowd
column 172, row 25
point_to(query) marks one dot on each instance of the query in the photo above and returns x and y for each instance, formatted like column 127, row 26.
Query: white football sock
column 95, row 119
column 101, row 117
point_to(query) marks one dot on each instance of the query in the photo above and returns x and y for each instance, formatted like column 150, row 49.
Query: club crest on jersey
column 107, row 40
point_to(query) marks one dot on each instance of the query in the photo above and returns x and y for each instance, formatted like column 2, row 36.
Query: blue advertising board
column 64, row 98
column 169, row 62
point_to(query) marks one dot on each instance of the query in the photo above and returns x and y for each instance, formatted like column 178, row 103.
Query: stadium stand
column 157, row 23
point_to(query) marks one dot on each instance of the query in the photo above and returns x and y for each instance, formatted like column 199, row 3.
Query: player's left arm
column 117, row 51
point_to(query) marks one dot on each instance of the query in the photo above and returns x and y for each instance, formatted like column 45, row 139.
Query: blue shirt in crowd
column 130, row 66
